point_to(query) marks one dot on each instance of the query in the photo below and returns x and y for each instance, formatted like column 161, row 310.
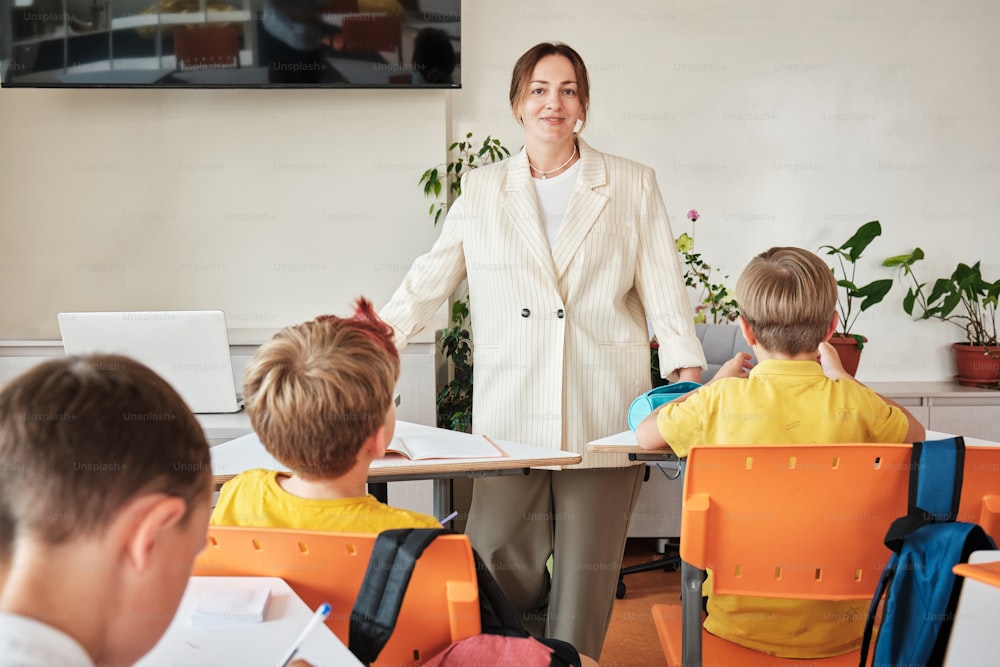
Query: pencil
column 321, row 613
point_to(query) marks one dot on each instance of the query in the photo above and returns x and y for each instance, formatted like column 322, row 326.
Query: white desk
column 250, row 644
column 973, row 636
column 244, row 453
column 624, row 443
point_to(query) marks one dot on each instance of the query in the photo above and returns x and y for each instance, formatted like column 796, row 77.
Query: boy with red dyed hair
column 320, row 397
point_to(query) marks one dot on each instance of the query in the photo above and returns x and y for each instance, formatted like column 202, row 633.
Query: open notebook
column 444, row 444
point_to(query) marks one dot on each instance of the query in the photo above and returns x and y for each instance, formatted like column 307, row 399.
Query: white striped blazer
column 561, row 343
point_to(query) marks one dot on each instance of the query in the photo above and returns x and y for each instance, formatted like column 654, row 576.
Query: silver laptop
column 188, row 348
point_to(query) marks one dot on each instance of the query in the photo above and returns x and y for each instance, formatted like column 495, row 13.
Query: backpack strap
column 883, row 585
column 936, row 471
column 376, row 608
column 935, row 488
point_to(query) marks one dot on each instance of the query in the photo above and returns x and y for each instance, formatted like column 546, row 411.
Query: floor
column 631, row 639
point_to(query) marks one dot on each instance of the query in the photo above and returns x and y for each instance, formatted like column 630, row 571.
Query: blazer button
column 525, row 313
column 560, row 313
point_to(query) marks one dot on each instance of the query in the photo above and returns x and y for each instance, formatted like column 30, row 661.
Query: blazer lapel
column 521, row 208
column 585, row 205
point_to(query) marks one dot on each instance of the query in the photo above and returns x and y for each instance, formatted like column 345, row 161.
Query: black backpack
column 382, row 590
column 921, row 592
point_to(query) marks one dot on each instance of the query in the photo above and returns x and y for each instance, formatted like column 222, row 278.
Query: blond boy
column 320, row 397
column 799, row 393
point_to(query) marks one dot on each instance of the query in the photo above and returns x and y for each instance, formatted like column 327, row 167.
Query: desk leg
column 380, row 490
column 442, row 497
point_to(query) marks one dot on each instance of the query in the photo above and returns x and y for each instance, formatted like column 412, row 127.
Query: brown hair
column 525, row 67
column 788, row 297
column 316, row 391
column 81, row 436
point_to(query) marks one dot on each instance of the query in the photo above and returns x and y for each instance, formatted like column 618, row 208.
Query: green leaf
column 861, row 239
column 873, row 292
column 950, row 303
column 905, row 260
column 848, row 285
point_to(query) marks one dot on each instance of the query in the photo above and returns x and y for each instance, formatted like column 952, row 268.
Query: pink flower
column 693, row 215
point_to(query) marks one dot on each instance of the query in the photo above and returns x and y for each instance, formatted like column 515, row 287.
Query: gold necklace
column 545, row 174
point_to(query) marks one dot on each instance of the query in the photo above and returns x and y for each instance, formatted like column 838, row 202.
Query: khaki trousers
column 581, row 518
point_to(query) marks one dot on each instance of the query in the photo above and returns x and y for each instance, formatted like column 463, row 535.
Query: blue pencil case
column 647, row 402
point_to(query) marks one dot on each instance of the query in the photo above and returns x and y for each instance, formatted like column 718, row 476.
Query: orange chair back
column 441, row 604
column 980, row 502
column 793, row 521
column 799, row 521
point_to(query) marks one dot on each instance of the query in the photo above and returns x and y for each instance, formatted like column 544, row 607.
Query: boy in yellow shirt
column 105, row 492
column 320, row 398
column 798, row 393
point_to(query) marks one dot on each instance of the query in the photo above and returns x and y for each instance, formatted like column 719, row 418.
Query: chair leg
column 667, row 562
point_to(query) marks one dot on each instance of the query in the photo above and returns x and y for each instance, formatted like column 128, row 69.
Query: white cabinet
column 948, row 407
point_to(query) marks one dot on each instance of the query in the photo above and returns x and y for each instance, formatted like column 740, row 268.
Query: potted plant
column 851, row 295
column 714, row 299
column 454, row 400
column 966, row 300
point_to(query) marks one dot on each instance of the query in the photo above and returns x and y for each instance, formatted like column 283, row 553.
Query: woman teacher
column 567, row 252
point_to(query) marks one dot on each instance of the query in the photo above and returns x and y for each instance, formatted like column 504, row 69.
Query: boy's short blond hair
column 788, row 297
column 316, row 391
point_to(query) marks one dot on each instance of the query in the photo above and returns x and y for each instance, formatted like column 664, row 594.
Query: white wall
column 787, row 122
column 274, row 205
column 784, row 122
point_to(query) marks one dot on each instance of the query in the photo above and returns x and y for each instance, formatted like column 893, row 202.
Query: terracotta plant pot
column 977, row 364
column 849, row 350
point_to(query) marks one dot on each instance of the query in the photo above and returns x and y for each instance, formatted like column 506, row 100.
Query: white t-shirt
column 25, row 642
column 553, row 196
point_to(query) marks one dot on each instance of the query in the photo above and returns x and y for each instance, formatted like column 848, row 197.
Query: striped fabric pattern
column 561, row 345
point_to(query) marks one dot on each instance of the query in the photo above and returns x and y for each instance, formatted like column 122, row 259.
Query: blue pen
column 321, row 613
column 447, row 519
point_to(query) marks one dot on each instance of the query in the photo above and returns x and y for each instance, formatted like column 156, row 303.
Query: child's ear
column 377, row 442
column 150, row 519
column 833, row 327
column 746, row 331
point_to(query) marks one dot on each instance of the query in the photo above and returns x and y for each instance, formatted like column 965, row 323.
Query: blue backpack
column 921, row 592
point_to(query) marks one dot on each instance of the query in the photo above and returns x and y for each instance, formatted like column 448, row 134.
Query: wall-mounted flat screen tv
column 231, row 43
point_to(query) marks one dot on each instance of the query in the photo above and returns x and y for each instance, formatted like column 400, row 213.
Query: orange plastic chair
column 441, row 604
column 980, row 501
column 987, row 573
column 795, row 521
column 206, row 46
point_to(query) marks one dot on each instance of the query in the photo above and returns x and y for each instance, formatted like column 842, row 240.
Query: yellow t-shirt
column 783, row 402
column 254, row 498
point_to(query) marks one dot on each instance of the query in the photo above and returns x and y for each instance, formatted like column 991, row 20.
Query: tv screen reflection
column 231, row 43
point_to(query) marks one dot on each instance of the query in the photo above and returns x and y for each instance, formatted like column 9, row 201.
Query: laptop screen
column 188, row 348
